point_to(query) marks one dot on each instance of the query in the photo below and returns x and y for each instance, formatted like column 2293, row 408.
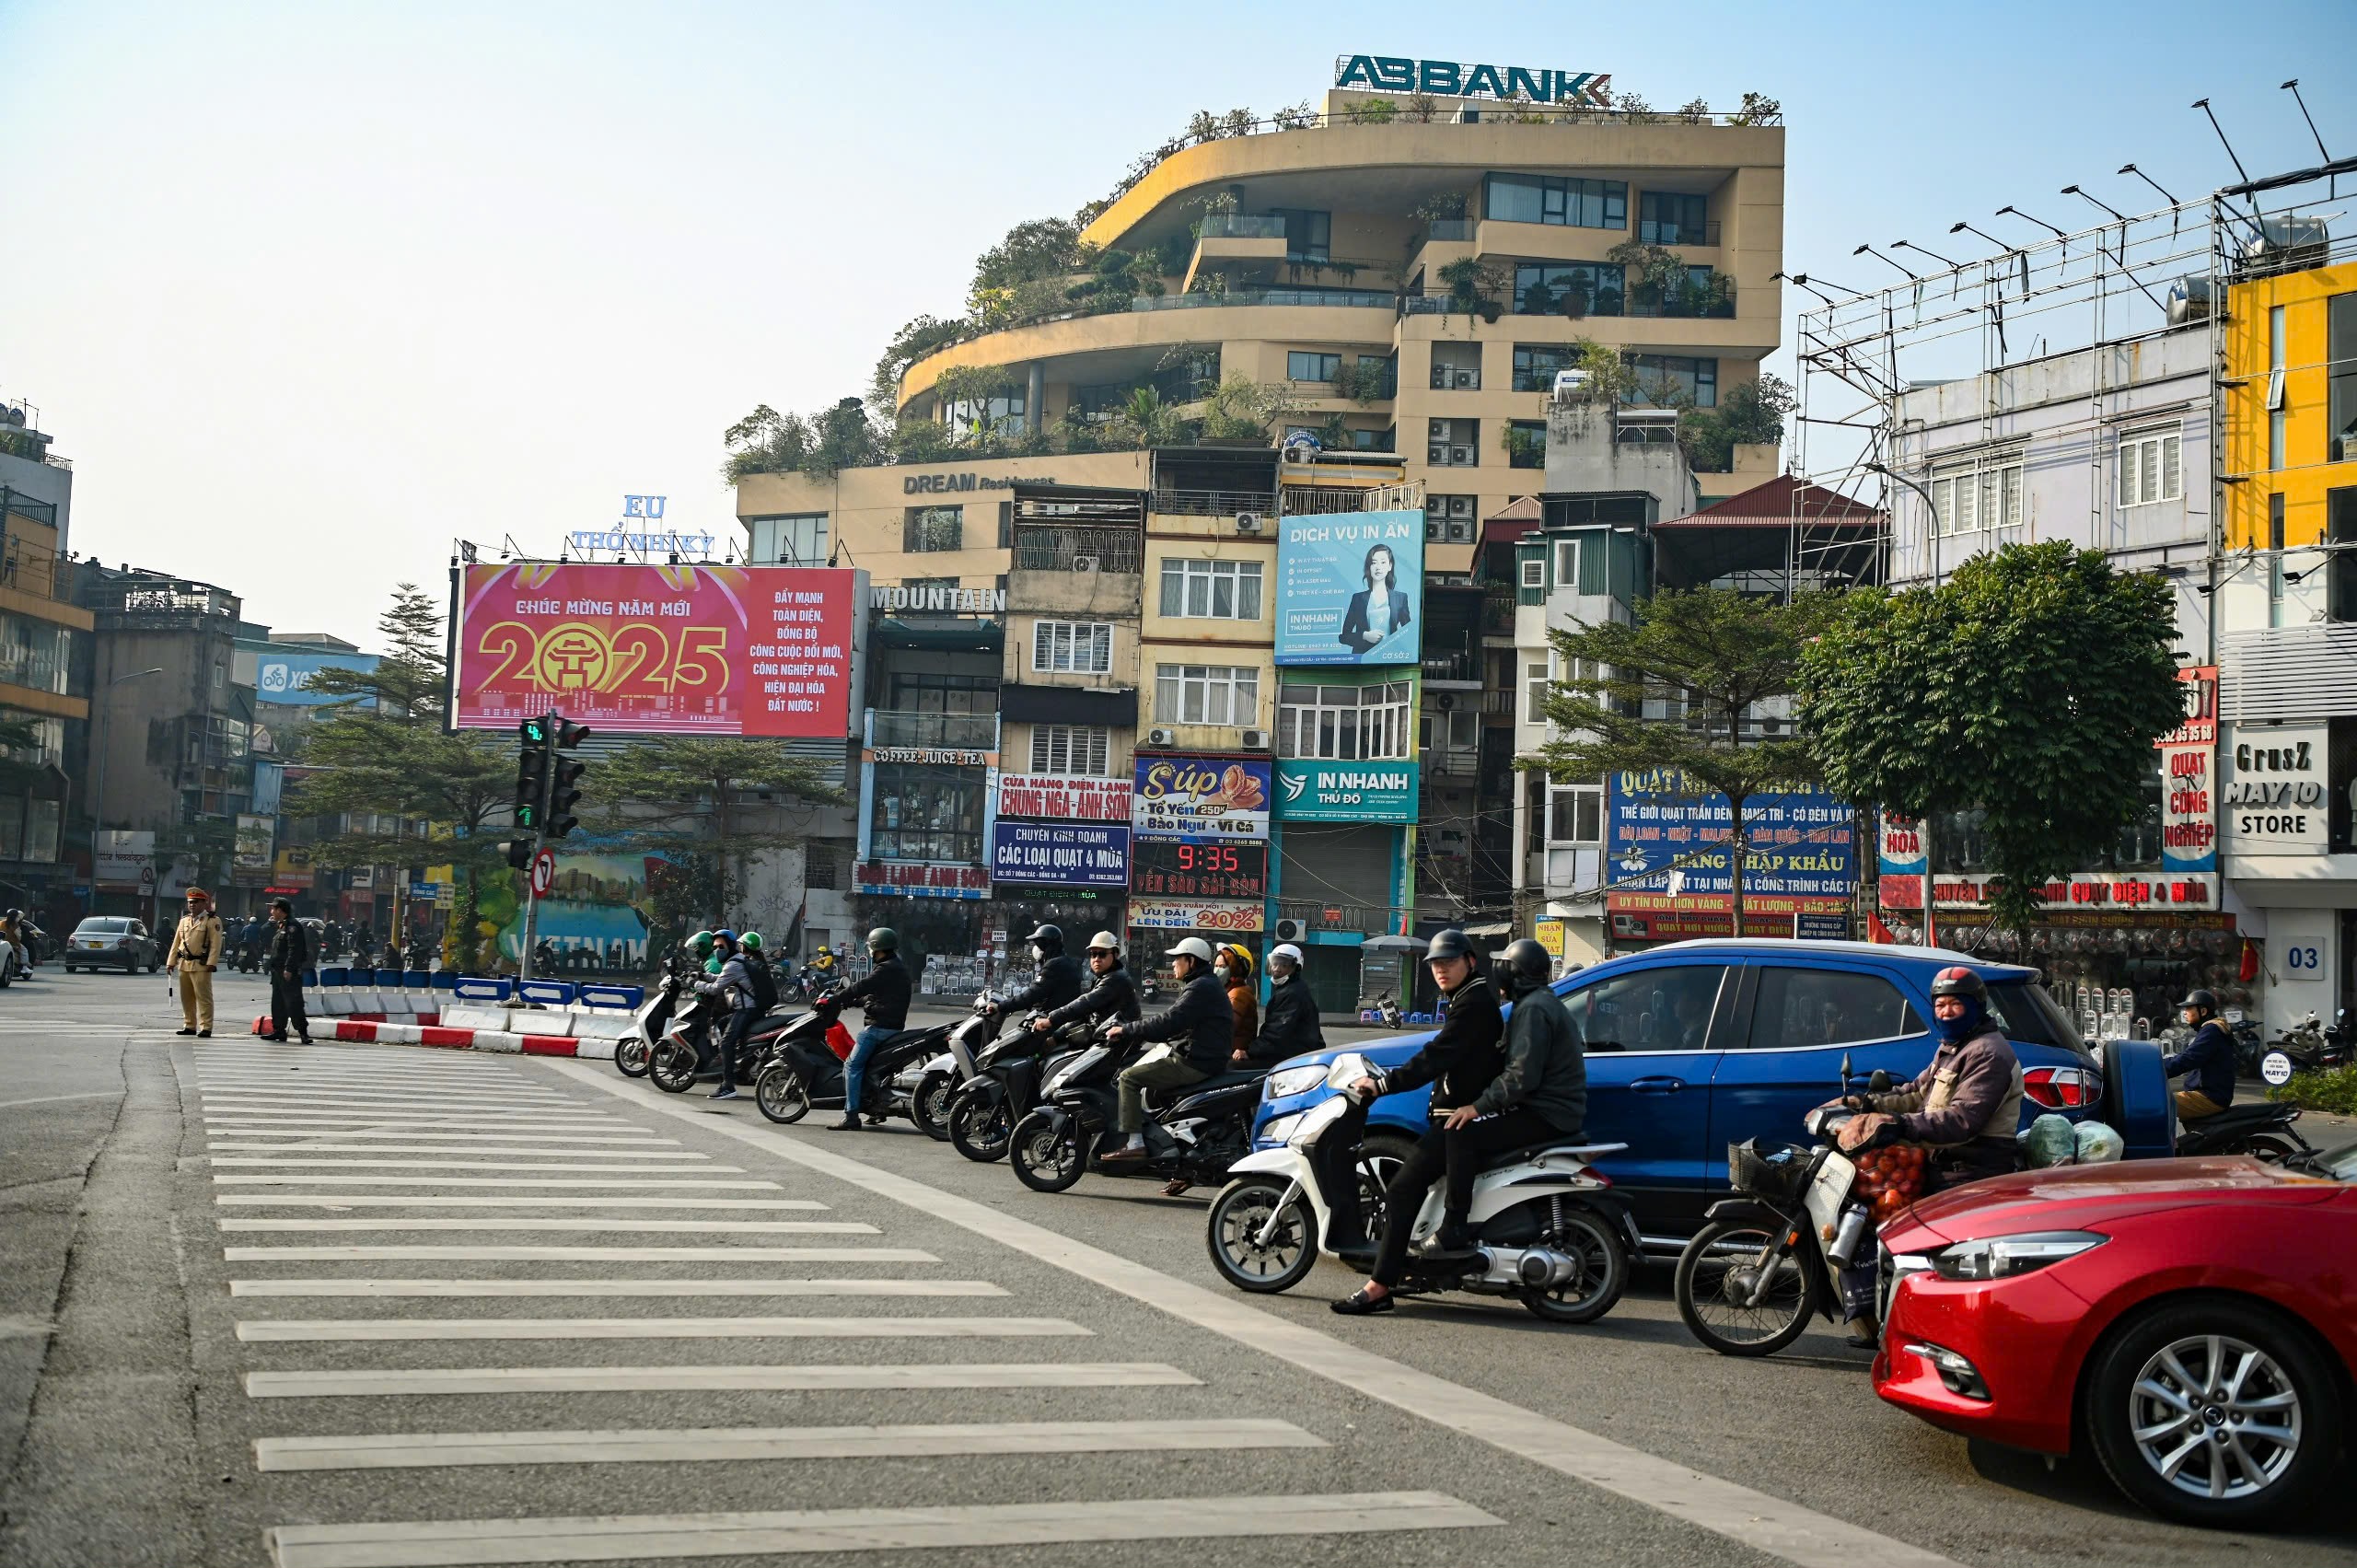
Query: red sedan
column 2193, row 1321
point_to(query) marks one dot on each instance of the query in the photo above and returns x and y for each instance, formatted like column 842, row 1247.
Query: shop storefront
column 1345, row 859
column 1060, row 856
column 1672, row 875
column 2284, row 811
column 1199, row 854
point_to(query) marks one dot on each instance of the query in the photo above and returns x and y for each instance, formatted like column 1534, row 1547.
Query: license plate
column 94, row 945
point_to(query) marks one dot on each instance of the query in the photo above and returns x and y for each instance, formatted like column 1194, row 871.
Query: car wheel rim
column 1239, row 1227
column 2215, row 1417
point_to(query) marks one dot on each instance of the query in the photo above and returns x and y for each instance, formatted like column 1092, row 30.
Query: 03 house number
column 2308, row 959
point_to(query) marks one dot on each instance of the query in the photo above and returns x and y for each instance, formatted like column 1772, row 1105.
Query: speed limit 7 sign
column 544, row 872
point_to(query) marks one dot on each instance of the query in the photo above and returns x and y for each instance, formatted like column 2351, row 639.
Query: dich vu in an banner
column 1350, row 588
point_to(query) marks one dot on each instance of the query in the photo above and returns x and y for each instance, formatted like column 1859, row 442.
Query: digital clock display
column 1198, row 871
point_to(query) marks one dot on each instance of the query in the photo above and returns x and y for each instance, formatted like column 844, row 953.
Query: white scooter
column 1552, row 1231
column 928, row 1085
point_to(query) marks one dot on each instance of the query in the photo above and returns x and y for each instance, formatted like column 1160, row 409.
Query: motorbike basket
column 1776, row 1173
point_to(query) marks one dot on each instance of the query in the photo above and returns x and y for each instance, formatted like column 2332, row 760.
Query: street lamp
column 99, row 783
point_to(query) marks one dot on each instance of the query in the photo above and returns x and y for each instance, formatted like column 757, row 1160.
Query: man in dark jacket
column 1459, row 1062
column 1059, row 980
column 1200, row 1024
column 733, row 987
column 1289, row 1023
column 885, row 994
column 2207, row 1063
column 1115, row 995
column 1967, row 1104
column 290, row 954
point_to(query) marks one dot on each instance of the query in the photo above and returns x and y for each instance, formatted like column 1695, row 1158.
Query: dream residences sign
column 1350, row 588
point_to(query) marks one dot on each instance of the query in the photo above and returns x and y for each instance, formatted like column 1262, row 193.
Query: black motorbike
column 1204, row 1128
column 686, row 1050
column 2261, row 1129
column 1005, row 1086
column 797, row 1069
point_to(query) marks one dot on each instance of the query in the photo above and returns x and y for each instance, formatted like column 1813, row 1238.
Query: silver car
column 113, row 942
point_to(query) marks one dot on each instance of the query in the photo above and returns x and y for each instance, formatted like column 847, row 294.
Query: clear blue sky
column 307, row 290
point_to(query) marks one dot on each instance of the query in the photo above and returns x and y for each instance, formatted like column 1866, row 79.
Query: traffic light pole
column 540, row 843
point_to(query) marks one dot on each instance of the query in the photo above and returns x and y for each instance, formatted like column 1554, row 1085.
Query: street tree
column 411, row 684
column 2030, row 686
column 1714, row 656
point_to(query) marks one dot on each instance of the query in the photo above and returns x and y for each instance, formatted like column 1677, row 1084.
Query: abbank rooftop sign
column 1450, row 78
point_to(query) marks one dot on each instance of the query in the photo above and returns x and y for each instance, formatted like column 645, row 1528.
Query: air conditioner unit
column 1247, row 522
column 1461, row 456
column 1440, row 377
column 1439, row 455
column 1084, row 564
column 1256, row 740
column 1289, row 931
column 1432, row 530
column 1468, row 379
column 1460, row 530
column 1161, row 738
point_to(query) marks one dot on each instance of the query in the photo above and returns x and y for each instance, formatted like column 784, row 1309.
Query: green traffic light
column 534, row 731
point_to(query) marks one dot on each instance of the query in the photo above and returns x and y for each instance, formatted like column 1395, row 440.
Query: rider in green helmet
column 701, row 944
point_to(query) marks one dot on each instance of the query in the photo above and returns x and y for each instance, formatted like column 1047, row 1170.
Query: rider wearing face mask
column 1967, row 1105
column 1115, row 995
column 1059, row 978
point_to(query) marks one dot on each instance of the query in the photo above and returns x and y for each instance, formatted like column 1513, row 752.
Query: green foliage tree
column 1241, row 409
column 1713, row 654
column 1749, row 413
column 926, row 334
column 766, row 441
column 410, row 685
column 2031, row 685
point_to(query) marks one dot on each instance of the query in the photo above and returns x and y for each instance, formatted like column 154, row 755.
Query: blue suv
column 1697, row 1045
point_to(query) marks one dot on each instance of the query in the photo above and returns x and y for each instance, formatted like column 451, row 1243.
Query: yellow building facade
column 2290, row 407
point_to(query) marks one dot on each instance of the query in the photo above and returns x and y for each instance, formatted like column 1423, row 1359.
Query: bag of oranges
column 1889, row 1178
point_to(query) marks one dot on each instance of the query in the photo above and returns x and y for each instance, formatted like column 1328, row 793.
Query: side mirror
column 1845, row 1072
column 1879, row 1084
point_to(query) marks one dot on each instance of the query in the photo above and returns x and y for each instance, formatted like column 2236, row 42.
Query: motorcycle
column 801, row 1066
column 1765, row 1262
column 930, row 1084
column 1381, row 1010
column 2261, row 1129
column 1005, row 1086
column 1551, row 1232
column 635, row 1050
column 1195, row 1138
column 2313, row 1047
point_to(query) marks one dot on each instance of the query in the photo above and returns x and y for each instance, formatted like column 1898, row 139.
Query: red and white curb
column 452, row 1038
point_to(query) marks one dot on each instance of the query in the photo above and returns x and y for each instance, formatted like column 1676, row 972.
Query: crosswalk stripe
column 439, row 1289
column 568, row 1254
column 411, row 1450
column 299, row 1178
column 610, row 1538
column 553, row 1223
column 818, row 1377
column 422, row 1100
column 498, row 1079
column 282, row 1160
column 406, row 1127
column 517, row 1201
column 329, row 1119
column 241, row 1146
column 339, row 1331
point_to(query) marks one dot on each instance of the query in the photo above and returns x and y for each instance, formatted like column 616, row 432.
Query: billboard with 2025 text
column 655, row 650
column 1351, row 587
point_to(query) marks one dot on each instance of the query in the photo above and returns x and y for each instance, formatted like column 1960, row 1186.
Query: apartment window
column 924, row 529
column 1535, row 684
column 1346, row 723
column 1538, row 198
column 1526, row 443
column 927, row 814
column 1674, row 378
column 1003, row 415
column 1084, row 750
column 1216, row 590
column 2275, row 410
column 1310, row 235
column 2149, row 467
column 1533, row 574
column 1574, row 813
column 797, row 539
column 1453, row 443
column 1305, row 365
column 2275, row 559
column 2340, row 349
column 1667, row 217
column 1986, row 496
column 1206, row 693
column 1535, row 365
column 1567, row 564
column 1073, row 647
column 1568, row 289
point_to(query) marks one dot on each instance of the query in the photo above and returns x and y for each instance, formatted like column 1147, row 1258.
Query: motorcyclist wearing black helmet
column 885, row 996
column 1460, row 1062
column 2207, row 1063
column 1059, row 978
column 1115, row 995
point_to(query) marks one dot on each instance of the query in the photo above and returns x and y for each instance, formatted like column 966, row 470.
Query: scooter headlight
column 1286, row 1082
column 1278, row 1131
column 1314, row 1120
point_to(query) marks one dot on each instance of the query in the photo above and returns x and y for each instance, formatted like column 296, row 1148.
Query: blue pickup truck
column 1697, row 1045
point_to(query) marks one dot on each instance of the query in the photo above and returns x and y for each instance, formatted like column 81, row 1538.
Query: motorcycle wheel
column 929, row 1107
column 782, row 1095
column 1596, row 1288
column 672, row 1066
column 2270, row 1148
column 1726, row 1256
column 979, row 1126
column 1231, row 1236
column 1046, row 1159
column 629, row 1056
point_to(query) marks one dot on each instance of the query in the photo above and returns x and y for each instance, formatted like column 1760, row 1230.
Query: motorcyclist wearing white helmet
column 1201, row 1025
column 1289, row 1023
column 1115, row 995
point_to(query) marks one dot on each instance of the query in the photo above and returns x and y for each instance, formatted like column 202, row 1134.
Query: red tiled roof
column 1513, row 520
column 1778, row 504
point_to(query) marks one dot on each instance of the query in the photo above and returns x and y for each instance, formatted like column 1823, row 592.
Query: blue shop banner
column 1351, row 587
column 1059, row 854
column 1800, row 841
column 1310, row 791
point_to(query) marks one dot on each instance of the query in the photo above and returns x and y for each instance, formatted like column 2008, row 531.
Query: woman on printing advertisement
column 1379, row 609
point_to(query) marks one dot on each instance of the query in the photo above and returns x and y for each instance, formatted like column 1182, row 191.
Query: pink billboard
column 655, row 650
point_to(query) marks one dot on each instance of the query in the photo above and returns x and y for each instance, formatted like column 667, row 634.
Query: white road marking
column 818, row 1377
column 519, row 1201
column 536, row 1121
column 298, row 1179
column 423, row 1100
column 616, row 1537
column 588, row 1254
column 411, row 1450
column 1756, row 1520
column 436, row 1289
column 53, row 1099
column 281, row 1161
column 672, row 1153
column 457, row 1133
column 338, row 1330
column 553, row 1223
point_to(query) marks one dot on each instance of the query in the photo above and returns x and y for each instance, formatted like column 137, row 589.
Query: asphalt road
column 265, row 1304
